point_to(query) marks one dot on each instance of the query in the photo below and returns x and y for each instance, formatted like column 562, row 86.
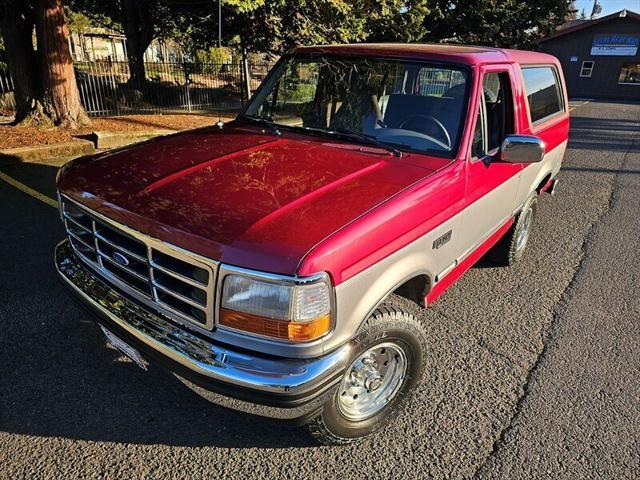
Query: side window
column 543, row 92
column 498, row 107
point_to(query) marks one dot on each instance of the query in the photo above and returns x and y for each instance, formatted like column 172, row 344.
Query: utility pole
column 245, row 68
column 219, row 23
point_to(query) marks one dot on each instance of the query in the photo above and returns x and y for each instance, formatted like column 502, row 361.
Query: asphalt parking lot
column 534, row 371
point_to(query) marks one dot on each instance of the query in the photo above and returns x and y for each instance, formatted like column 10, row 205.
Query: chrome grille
column 176, row 282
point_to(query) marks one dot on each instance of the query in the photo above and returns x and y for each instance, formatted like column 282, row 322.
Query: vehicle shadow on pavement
column 590, row 133
column 57, row 379
column 84, row 391
column 36, row 176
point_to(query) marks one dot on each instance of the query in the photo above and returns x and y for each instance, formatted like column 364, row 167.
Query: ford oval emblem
column 121, row 259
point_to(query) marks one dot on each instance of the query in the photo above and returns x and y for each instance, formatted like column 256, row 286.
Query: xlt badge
column 440, row 241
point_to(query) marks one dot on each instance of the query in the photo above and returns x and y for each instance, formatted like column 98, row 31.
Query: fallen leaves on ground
column 16, row 137
column 135, row 123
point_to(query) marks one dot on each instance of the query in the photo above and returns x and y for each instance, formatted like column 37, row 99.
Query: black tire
column 393, row 322
column 509, row 250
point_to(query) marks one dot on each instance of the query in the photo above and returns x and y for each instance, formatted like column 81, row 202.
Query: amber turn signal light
column 280, row 329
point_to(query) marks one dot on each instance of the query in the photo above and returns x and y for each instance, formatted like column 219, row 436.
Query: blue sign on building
column 615, row 45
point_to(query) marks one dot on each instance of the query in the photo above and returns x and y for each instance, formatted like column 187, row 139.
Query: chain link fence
column 168, row 87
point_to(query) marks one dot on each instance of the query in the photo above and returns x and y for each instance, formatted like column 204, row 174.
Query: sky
column 608, row 6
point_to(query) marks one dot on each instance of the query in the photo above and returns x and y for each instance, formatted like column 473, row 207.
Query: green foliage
column 507, row 23
column 111, row 14
column 275, row 26
column 78, row 21
column 399, row 21
column 279, row 25
column 211, row 60
column 244, row 6
column 213, row 55
column 321, row 21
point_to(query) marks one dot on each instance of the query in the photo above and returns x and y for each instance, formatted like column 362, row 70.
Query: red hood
column 241, row 196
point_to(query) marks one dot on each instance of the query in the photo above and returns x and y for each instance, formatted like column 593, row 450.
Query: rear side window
column 543, row 92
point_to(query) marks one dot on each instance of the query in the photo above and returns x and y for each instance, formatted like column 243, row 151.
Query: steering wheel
column 436, row 122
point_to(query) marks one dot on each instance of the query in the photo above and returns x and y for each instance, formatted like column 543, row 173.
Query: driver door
column 492, row 186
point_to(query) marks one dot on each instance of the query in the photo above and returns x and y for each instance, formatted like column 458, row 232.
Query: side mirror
column 521, row 149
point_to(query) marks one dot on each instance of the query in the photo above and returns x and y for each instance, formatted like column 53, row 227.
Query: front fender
column 359, row 296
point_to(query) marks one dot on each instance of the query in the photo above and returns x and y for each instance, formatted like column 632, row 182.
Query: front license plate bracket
column 124, row 348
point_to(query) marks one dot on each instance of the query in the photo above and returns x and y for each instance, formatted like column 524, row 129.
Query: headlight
column 286, row 311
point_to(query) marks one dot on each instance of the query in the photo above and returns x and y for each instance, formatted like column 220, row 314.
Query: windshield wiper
column 370, row 139
column 367, row 138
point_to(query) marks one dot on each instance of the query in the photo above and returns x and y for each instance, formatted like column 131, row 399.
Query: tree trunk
column 60, row 95
column 138, row 28
column 16, row 26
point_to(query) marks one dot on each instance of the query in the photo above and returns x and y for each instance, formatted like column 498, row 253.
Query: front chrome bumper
column 296, row 385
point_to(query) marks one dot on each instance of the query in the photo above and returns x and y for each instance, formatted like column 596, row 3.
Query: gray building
column 601, row 57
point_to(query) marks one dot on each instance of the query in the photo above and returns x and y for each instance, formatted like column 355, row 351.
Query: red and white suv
column 282, row 259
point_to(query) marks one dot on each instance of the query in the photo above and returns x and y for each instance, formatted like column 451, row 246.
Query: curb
column 104, row 140
column 83, row 145
column 45, row 153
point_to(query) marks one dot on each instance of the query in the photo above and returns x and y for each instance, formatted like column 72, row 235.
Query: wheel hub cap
column 523, row 237
column 372, row 381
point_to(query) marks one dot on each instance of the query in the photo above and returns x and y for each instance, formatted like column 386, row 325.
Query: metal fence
column 436, row 81
column 105, row 88
column 7, row 102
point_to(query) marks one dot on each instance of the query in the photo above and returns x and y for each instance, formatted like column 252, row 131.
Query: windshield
column 404, row 104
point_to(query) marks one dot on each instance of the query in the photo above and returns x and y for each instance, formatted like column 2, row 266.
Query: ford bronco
column 285, row 259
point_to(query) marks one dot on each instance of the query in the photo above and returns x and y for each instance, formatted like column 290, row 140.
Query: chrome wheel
column 523, row 235
column 372, row 381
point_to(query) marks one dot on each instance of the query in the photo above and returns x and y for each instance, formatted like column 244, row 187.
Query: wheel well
column 415, row 289
column 543, row 183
